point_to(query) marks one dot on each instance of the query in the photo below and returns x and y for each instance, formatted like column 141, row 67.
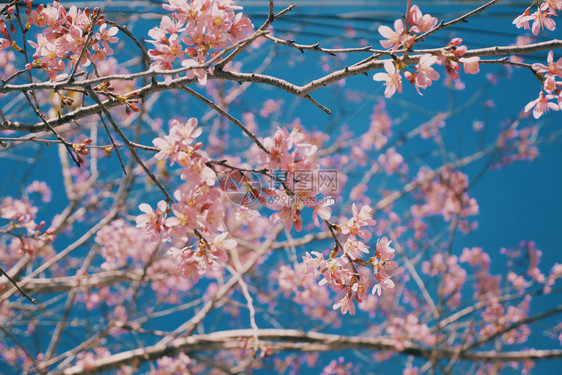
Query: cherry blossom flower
column 355, row 248
column 220, row 245
column 323, row 211
column 336, row 273
column 205, row 27
column 4, row 44
column 152, row 221
column 552, row 68
column 316, row 265
column 393, row 37
column 177, row 146
column 41, row 188
column 65, row 36
column 392, row 78
column 346, row 305
column 541, row 105
column 550, row 84
column 287, row 210
column 422, row 22
column 390, row 160
column 540, row 19
column 241, row 27
column 522, row 21
column 383, row 249
column 470, row 64
column 552, row 5
column 200, row 73
column 382, row 285
column 106, row 35
column 361, row 218
column 337, row 367
column 425, row 73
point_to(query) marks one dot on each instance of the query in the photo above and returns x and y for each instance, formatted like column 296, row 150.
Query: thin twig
column 126, row 140
column 52, row 129
column 113, row 143
column 225, row 114
column 14, row 283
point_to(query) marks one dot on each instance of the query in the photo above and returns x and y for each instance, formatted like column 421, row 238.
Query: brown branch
column 64, row 253
column 126, row 31
column 188, row 327
column 14, row 283
column 391, row 198
column 129, row 144
column 37, row 111
column 227, row 115
column 515, row 325
column 65, row 283
column 301, row 91
column 261, row 31
column 460, row 19
column 316, row 47
column 294, row 340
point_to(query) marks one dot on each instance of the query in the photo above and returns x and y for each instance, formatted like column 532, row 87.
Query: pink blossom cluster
column 526, row 253
column 198, row 211
column 349, row 272
column 452, row 276
column 270, row 107
column 542, row 17
column 404, row 36
column 41, row 188
column 391, row 161
column 430, row 129
column 291, row 154
column 169, row 288
column 92, row 298
column 35, row 246
column 179, row 146
column 16, row 357
column 181, row 364
column 5, row 42
column 196, row 31
column 555, row 274
column 487, row 286
column 316, row 302
column 120, row 242
column 445, row 195
column 87, row 359
column 403, row 329
column 338, row 367
column 452, row 57
column 21, row 214
column 424, row 74
column 379, row 129
column 496, row 318
column 63, row 41
column 553, row 88
column 195, row 222
column 517, row 144
column 7, row 68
